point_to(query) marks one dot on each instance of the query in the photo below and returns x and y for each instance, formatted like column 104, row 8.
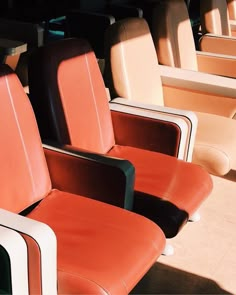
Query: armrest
column 12, row 47
column 217, row 64
column 32, row 34
column 153, row 127
column 198, row 91
column 220, row 44
column 45, row 240
column 23, row 36
column 81, row 172
column 18, row 259
column 10, row 51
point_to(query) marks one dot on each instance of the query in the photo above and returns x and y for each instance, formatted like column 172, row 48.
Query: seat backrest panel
column 214, row 17
column 173, row 36
column 24, row 174
column 76, row 93
column 130, row 47
column 85, row 105
column 231, row 5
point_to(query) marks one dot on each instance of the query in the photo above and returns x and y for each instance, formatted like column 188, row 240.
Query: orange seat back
column 76, row 93
column 24, row 174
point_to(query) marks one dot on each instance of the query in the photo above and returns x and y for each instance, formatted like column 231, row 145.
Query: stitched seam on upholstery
column 21, row 136
column 84, row 278
column 124, row 284
column 90, row 80
column 213, row 148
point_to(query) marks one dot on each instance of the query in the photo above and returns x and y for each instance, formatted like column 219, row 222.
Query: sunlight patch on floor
column 205, row 251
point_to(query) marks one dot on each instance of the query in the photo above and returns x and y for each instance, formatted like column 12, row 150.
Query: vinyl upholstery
column 231, row 6
column 100, row 249
column 129, row 47
column 73, row 82
column 215, row 17
column 171, row 30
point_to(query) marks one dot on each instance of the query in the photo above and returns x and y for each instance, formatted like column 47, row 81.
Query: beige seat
column 214, row 17
column 174, row 42
column 218, row 30
column 231, row 5
column 132, row 71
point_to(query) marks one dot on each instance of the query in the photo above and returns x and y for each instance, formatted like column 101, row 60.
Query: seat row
column 86, row 127
column 118, row 151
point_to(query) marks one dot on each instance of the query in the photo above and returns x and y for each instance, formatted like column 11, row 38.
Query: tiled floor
column 205, row 252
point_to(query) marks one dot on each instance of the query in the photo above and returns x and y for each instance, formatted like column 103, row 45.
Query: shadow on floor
column 231, row 175
column 163, row 279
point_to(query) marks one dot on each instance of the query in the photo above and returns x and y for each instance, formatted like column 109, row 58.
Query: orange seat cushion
column 163, row 176
column 98, row 244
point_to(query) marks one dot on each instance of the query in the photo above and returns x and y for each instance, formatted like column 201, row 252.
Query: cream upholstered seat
column 215, row 17
column 231, row 6
column 171, row 31
column 219, row 32
column 132, row 71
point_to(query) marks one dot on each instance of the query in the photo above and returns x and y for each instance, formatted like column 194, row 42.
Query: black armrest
column 99, row 177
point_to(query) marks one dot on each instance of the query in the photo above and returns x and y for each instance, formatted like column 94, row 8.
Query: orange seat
column 99, row 249
column 132, row 71
column 69, row 98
